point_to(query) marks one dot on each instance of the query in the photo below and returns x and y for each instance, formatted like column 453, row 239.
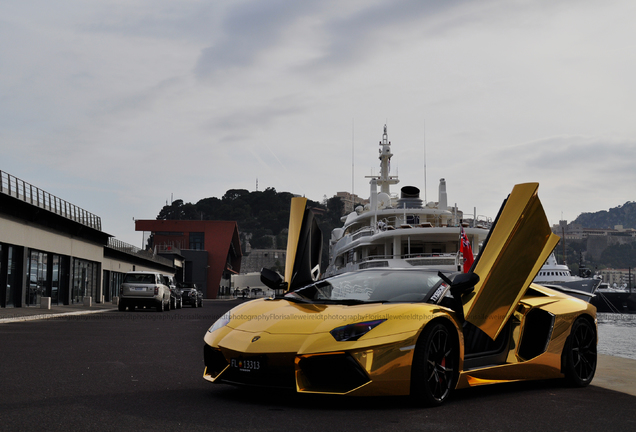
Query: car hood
column 285, row 317
column 283, row 326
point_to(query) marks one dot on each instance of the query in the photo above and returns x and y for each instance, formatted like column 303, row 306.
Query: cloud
column 248, row 30
column 144, row 98
column 363, row 32
column 569, row 153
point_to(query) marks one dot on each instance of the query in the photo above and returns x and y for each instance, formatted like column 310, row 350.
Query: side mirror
column 464, row 283
column 272, row 279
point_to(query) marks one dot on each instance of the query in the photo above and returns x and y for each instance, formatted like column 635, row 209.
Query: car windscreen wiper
column 347, row 302
column 294, row 299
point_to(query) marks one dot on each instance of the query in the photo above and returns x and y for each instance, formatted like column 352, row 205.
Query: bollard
column 88, row 301
column 45, row 302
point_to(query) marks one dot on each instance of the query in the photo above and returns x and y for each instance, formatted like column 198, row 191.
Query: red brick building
column 212, row 250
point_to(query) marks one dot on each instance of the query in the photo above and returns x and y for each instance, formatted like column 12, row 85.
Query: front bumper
column 384, row 370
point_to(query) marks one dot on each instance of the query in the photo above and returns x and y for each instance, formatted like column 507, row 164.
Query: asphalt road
column 142, row 371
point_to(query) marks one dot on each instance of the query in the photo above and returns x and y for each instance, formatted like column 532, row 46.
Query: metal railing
column 14, row 187
column 167, row 249
column 120, row 246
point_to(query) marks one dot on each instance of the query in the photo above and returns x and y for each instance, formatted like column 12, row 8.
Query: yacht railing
column 412, row 221
column 420, row 259
column 14, row 187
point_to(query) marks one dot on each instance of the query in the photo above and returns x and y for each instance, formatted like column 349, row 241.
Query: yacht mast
column 385, row 180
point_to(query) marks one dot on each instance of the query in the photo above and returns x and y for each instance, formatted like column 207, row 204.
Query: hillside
column 621, row 255
column 624, row 215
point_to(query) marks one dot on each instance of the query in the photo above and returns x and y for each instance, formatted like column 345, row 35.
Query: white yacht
column 559, row 276
column 404, row 231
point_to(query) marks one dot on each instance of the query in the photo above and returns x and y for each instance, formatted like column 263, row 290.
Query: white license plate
column 138, row 288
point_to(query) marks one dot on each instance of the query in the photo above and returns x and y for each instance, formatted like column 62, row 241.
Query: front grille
column 275, row 370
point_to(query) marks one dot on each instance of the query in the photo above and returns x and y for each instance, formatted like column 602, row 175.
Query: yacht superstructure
column 559, row 276
column 402, row 231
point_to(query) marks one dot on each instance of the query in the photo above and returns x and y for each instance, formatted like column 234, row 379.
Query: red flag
column 467, row 251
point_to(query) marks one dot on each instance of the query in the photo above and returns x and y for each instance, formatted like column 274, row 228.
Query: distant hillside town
column 604, row 241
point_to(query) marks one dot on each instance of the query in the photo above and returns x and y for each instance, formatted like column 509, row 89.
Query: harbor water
column 617, row 334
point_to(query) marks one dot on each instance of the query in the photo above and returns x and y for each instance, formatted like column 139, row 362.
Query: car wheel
column 121, row 306
column 579, row 354
column 194, row 304
column 160, row 306
column 434, row 370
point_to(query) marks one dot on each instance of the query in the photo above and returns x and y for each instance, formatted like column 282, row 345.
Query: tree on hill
column 178, row 211
column 619, row 256
column 262, row 216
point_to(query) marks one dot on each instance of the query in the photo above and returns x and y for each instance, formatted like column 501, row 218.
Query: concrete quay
column 613, row 373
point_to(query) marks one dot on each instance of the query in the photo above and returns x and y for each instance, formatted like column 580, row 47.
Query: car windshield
column 139, row 278
column 370, row 286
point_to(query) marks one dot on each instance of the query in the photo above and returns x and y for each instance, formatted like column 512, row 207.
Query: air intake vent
column 336, row 373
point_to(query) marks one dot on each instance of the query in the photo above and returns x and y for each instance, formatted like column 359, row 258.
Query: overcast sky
column 120, row 106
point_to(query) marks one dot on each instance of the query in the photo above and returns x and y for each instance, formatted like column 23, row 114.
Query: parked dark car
column 175, row 292
column 190, row 295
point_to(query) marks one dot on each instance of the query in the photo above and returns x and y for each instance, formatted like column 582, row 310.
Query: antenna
column 425, row 198
column 352, row 157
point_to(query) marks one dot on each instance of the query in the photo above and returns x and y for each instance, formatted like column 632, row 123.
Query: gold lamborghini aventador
column 415, row 332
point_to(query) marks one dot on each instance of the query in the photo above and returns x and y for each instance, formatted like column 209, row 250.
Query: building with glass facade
column 52, row 248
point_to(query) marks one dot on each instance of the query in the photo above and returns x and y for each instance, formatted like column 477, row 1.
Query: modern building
column 618, row 278
column 50, row 248
column 212, row 250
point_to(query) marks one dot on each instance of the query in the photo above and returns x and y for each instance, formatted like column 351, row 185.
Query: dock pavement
column 613, row 373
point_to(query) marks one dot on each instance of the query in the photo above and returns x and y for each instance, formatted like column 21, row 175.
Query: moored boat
column 559, row 276
column 404, row 231
column 611, row 299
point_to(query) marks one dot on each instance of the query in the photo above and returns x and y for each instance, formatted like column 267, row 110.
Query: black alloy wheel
column 580, row 353
column 435, row 365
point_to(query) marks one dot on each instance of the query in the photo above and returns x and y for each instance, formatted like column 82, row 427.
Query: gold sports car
column 411, row 332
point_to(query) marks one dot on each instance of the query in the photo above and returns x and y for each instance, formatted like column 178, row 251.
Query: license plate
column 138, row 288
column 254, row 364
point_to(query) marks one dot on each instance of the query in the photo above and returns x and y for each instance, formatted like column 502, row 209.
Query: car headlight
column 221, row 322
column 353, row 332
